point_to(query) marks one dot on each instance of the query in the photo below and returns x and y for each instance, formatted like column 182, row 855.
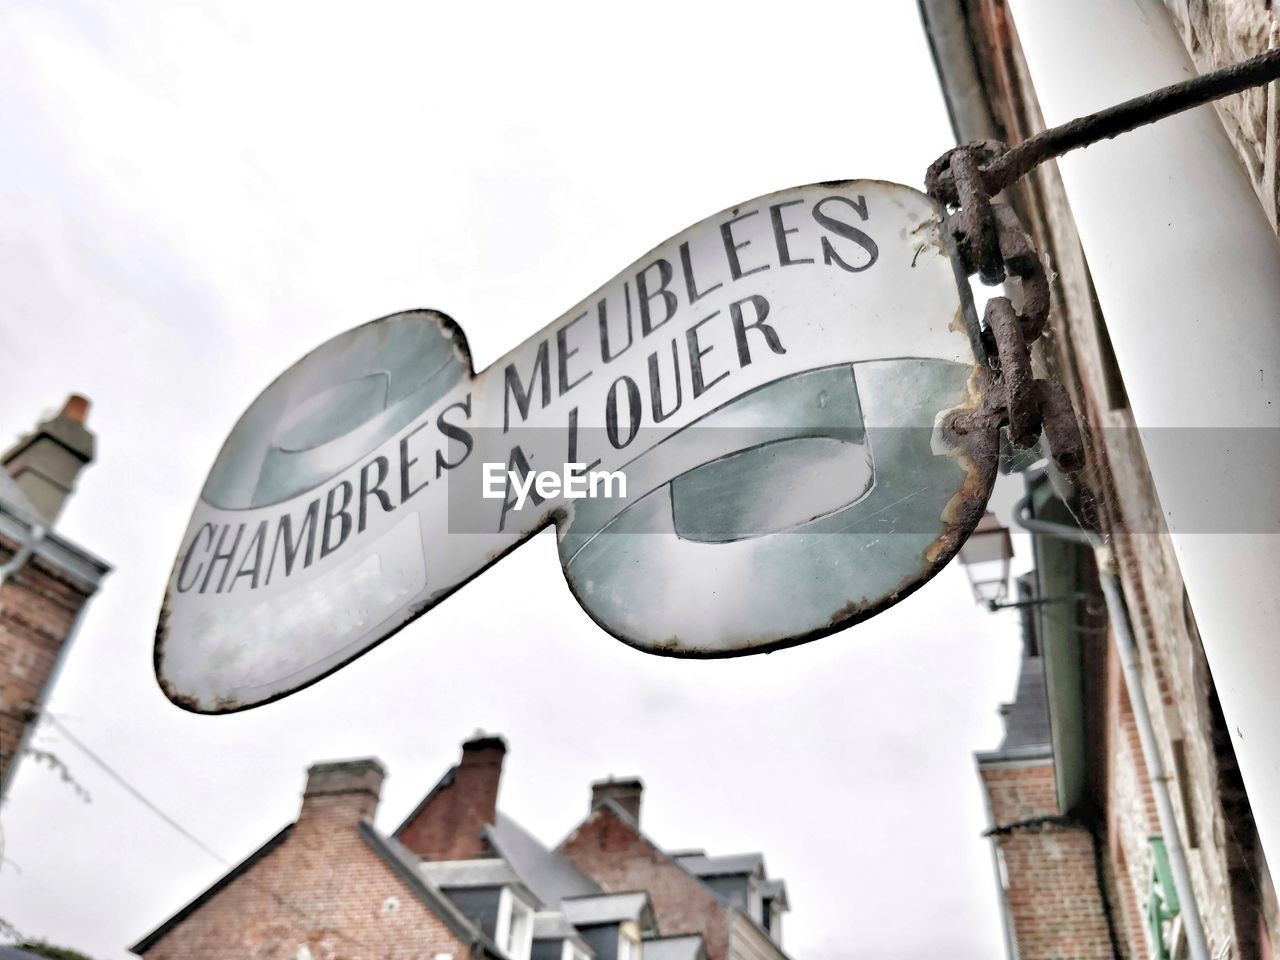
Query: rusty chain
column 993, row 244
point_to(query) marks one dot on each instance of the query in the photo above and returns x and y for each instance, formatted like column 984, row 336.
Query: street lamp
column 985, row 557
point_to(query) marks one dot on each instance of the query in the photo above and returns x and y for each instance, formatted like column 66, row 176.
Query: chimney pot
column 483, row 748
column 626, row 793
column 76, row 408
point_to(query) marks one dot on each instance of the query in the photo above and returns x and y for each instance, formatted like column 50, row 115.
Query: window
column 570, row 952
column 628, row 945
column 515, row 925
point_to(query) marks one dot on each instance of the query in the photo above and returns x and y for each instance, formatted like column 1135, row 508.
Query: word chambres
column 670, row 334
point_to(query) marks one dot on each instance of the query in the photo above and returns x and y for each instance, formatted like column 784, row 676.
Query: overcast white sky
column 194, row 195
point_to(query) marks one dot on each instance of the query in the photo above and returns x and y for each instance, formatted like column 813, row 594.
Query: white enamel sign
column 742, row 440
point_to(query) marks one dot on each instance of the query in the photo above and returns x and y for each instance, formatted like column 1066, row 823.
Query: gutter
column 999, row 871
column 1126, row 648
column 956, row 62
column 19, row 559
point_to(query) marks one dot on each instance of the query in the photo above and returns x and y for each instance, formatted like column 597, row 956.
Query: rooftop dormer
column 492, row 896
column 615, row 924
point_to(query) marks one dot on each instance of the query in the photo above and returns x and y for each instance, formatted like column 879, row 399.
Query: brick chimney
column 346, row 790
column 45, row 463
column 450, row 822
column 625, row 793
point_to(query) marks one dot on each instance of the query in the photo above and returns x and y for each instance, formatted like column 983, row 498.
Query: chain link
column 993, row 244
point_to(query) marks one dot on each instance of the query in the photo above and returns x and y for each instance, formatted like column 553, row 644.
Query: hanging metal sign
column 744, row 440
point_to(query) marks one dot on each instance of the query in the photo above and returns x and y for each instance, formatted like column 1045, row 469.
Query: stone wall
column 1219, row 33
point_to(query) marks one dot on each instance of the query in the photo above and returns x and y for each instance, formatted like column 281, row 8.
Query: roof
column 533, row 864
column 522, row 861
column 489, row 872
column 775, row 890
column 701, row 865
column 1026, row 719
column 549, row 876
column 553, row 926
column 606, row 908
column 684, row 947
column 13, row 953
column 154, row 937
column 444, row 781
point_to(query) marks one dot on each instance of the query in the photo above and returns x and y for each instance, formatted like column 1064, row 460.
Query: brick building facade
column 1047, row 862
column 1076, row 879
column 45, row 579
column 326, row 886
column 1052, row 893
column 609, row 847
column 1081, row 846
column 459, row 879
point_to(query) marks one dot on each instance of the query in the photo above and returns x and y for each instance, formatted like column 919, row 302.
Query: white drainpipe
column 1187, row 271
